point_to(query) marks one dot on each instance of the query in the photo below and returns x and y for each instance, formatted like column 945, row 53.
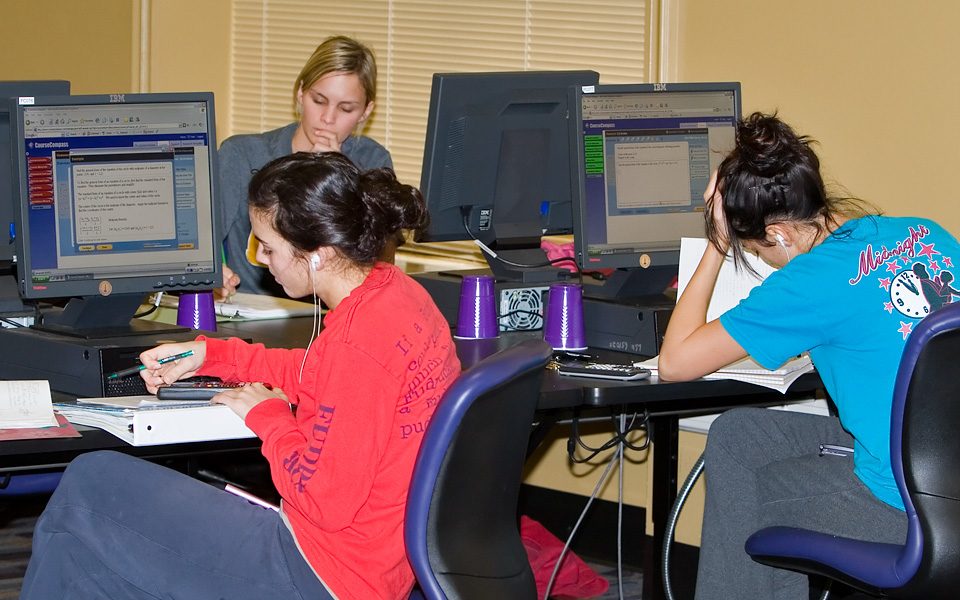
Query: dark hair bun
column 766, row 144
column 402, row 206
column 390, row 207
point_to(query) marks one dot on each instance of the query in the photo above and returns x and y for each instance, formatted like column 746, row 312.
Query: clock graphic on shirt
column 906, row 294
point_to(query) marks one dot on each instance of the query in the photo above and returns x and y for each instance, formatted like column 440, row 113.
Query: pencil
column 138, row 368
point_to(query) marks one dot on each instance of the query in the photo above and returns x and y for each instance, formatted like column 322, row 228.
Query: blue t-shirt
column 852, row 301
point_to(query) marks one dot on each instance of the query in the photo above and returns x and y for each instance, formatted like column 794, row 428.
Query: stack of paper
column 750, row 371
column 159, row 424
column 144, row 401
column 26, row 405
column 253, row 306
column 780, row 379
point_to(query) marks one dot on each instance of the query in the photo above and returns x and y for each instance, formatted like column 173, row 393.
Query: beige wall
column 189, row 51
column 875, row 81
column 98, row 45
column 91, row 43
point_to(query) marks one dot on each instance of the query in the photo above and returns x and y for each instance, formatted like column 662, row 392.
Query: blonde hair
column 339, row 53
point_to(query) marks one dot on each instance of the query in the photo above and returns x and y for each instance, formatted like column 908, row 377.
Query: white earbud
column 780, row 241
column 315, row 261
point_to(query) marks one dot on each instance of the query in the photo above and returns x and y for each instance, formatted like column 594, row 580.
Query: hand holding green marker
column 133, row 370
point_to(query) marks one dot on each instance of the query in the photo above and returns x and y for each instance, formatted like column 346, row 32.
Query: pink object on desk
column 555, row 251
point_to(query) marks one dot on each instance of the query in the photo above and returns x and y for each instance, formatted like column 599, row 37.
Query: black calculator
column 195, row 390
column 619, row 371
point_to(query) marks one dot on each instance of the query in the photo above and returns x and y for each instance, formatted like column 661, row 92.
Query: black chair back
column 462, row 528
column 931, row 461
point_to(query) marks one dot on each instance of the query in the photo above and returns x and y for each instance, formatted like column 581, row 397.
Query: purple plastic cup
column 196, row 311
column 477, row 318
column 563, row 323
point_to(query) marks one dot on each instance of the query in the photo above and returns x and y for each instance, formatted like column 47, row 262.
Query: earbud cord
column 784, row 246
column 315, row 330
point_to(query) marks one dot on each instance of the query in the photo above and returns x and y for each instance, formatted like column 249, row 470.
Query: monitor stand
column 637, row 284
column 98, row 317
column 625, row 284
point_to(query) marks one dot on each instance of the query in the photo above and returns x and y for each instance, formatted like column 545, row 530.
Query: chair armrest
column 874, row 564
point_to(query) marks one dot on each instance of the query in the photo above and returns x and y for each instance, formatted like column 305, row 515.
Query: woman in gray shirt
column 334, row 94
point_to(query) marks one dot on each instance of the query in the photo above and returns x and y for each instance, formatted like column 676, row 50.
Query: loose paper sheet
column 26, row 404
column 732, row 285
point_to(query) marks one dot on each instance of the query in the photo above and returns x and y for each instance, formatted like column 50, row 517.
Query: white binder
column 161, row 425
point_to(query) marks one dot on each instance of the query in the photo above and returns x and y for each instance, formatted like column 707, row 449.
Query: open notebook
column 733, row 286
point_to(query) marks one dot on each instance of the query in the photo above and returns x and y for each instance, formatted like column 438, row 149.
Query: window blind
column 412, row 39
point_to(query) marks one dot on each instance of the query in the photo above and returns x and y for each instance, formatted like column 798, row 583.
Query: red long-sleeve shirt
column 342, row 460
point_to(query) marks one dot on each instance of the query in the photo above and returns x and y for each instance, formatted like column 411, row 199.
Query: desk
column 55, row 453
column 664, row 402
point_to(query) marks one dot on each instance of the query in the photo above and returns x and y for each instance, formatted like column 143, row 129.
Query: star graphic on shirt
column 906, row 261
column 947, row 263
column 905, row 329
column 893, row 267
column 885, row 283
column 888, row 306
column 927, row 251
column 934, row 266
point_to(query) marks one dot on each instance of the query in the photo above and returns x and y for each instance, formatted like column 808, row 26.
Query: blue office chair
column 29, row 483
column 462, row 530
column 925, row 451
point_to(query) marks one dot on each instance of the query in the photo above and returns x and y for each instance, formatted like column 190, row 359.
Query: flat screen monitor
column 9, row 295
column 115, row 200
column 496, row 163
column 644, row 156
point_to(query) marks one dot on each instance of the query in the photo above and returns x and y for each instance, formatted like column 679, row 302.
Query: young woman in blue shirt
column 847, row 292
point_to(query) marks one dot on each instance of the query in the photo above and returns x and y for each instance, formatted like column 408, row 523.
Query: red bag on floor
column 574, row 580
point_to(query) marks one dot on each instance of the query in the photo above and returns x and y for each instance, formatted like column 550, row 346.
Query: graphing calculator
column 195, row 390
column 622, row 372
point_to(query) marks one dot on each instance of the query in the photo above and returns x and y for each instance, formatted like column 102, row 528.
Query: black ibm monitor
column 9, row 296
column 114, row 200
column 496, row 163
column 643, row 159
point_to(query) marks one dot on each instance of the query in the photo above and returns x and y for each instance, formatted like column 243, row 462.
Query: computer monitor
column 115, row 199
column 644, row 157
column 9, row 295
column 496, row 163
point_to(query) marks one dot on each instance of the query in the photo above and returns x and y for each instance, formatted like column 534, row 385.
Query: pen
column 250, row 497
column 137, row 369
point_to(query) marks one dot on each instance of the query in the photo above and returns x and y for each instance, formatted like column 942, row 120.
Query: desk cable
column 620, row 443
column 156, row 304
column 672, row 524
column 548, row 263
column 682, row 494
column 617, row 457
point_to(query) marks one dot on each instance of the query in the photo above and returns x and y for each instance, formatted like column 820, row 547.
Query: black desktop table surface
column 662, row 403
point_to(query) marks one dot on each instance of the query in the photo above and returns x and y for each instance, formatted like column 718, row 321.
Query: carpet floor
column 17, row 517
